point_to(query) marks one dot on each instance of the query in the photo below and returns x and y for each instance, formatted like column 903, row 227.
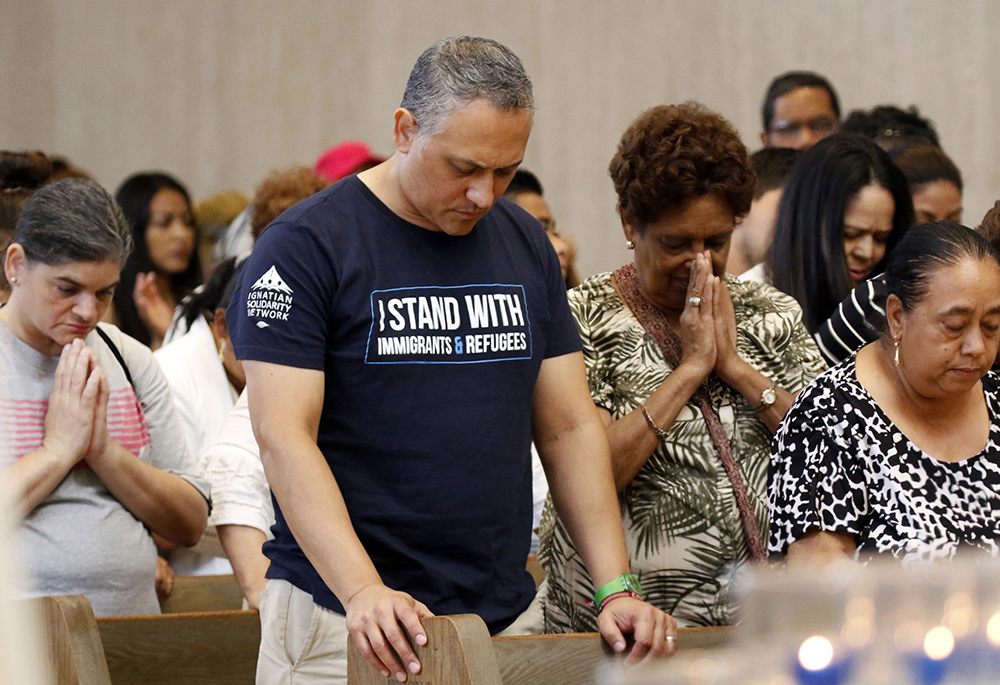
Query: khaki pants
column 302, row 643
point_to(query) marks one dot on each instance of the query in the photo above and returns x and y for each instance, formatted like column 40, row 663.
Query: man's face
column 535, row 205
column 802, row 118
column 451, row 178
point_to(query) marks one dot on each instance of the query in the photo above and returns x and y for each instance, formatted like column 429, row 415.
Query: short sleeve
column 241, row 495
column 561, row 337
column 588, row 318
column 856, row 321
column 816, row 481
column 280, row 311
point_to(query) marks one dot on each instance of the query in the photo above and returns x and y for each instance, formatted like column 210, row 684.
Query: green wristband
column 626, row 582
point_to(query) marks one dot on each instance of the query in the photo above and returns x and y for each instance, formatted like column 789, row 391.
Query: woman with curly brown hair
column 280, row 190
column 691, row 370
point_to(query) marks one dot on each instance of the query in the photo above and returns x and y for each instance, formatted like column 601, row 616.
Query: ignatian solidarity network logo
column 269, row 298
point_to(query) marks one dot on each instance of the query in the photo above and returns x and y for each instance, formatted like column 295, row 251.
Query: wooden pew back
column 72, row 640
column 203, row 593
column 220, row 648
column 460, row 651
column 210, row 648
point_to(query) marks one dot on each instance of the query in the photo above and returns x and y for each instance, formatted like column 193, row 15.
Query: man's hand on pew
column 654, row 631
column 374, row 616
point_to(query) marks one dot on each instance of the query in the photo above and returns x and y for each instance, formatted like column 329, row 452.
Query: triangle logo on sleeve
column 269, row 298
column 272, row 280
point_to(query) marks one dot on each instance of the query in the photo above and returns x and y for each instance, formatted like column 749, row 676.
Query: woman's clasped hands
column 708, row 323
column 76, row 425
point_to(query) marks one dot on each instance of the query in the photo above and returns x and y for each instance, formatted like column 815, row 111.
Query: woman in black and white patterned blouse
column 896, row 450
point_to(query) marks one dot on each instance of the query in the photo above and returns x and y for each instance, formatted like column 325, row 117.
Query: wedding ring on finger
column 694, row 301
column 670, row 638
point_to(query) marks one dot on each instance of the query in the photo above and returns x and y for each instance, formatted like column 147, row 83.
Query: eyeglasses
column 821, row 126
column 548, row 223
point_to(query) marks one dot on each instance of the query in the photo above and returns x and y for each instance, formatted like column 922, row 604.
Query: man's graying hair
column 73, row 220
column 455, row 71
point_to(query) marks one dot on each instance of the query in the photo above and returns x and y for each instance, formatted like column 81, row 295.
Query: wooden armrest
column 75, row 650
column 458, row 652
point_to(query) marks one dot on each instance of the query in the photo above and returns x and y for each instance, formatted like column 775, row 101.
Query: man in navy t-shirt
column 404, row 336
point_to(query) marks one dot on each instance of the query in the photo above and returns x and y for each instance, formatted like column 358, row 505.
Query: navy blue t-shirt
column 431, row 345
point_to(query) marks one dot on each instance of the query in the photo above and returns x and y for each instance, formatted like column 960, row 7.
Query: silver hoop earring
column 629, row 244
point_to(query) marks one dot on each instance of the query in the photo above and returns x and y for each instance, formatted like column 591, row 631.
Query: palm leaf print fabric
column 682, row 527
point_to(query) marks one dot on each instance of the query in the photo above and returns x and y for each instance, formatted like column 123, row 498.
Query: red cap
column 343, row 159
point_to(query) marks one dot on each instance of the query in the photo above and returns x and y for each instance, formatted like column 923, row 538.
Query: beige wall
column 219, row 92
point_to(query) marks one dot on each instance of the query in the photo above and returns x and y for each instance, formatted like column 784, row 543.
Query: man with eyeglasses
column 800, row 109
column 525, row 190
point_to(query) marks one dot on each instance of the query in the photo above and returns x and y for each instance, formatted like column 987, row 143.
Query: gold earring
column 222, row 351
column 629, row 244
column 895, row 357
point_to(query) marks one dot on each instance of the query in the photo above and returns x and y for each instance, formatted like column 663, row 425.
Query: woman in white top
column 205, row 379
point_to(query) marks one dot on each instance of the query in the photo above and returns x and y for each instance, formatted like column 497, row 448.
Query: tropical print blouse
column 682, row 526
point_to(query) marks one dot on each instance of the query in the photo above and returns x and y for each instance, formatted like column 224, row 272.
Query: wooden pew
column 220, row 648
column 76, row 655
column 209, row 648
column 572, row 659
column 206, row 648
column 203, row 593
column 459, row 651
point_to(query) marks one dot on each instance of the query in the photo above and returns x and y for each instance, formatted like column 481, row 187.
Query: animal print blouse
column 839, row 464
